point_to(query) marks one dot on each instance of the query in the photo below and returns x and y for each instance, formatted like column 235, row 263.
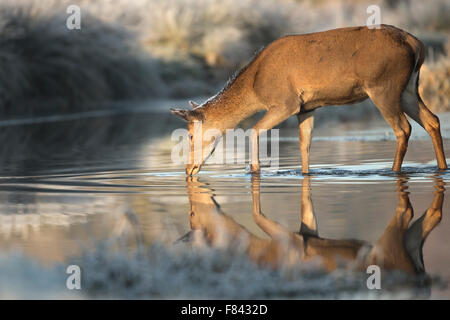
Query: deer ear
column 188, row 115
column 193, row 104
column 184, row 114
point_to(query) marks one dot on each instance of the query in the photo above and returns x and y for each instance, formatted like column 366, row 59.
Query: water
column 67, row 185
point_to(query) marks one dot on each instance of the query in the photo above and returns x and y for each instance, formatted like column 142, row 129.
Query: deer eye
column 192, row 213
column 190, row 136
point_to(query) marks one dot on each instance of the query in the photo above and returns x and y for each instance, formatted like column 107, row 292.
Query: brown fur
column 300, row 73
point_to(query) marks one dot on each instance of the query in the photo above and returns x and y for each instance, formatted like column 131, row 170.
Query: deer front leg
column 254, row 167
column 273, row 117
column 305, row 128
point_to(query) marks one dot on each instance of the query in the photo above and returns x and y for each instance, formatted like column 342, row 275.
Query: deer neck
column 230, row 107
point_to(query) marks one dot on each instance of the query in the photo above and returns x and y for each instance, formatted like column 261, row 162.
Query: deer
column 399, row 247
column 297, row 74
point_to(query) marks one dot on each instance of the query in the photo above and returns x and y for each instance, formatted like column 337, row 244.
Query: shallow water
column 68, row 184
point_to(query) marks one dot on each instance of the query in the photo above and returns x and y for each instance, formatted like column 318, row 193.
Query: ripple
column 367, row 171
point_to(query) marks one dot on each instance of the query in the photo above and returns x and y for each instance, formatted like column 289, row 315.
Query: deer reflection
column 398, row 248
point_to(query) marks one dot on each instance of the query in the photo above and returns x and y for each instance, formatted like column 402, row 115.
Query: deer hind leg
column 392, row 111
column 305, row 128
column 414, row 107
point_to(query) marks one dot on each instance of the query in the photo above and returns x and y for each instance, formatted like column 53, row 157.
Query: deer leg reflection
column 421, row 228
column 275, row 230
column 389, row 251
column 220, row 229
column 400, row 246
column 306, row 244
column 329, row 251
column 308, row 225
column 205, row 215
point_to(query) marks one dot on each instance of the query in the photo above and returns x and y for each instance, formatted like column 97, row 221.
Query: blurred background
column 148, row 49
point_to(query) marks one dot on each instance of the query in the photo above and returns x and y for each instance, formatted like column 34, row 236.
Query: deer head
column 202, row 137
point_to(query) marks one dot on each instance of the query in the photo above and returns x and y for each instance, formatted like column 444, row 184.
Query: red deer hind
column 297, row 74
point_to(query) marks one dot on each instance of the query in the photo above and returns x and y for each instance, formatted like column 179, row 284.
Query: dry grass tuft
column 434, row 85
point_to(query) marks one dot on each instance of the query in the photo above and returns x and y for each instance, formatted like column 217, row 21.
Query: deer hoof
column 252, row 169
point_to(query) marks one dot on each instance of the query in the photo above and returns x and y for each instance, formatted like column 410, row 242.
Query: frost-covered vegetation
column 200, row 272
column 174, row 48
column 435, row 82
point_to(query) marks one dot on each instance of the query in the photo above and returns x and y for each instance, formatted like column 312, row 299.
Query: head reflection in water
column 399, row 247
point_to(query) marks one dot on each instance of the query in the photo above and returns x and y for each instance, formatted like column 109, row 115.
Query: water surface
column 68, row 184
